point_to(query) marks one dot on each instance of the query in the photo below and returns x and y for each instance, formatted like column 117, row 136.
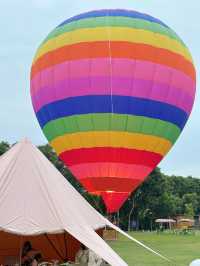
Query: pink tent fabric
column 35, row 199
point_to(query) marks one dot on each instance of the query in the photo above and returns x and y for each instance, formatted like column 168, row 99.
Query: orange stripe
column 118, row 50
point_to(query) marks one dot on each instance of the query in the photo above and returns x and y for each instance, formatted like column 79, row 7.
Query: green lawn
column 181, row 249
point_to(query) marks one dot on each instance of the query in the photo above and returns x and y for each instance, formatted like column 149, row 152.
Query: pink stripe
column 82, row 171
column 120, row 68
column 120, row 86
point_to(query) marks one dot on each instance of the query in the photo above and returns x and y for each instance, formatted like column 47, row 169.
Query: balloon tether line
column 139, row 243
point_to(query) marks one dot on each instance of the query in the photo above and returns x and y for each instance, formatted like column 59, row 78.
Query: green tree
column 4, row 146
column 190, row 203
column 189, row 210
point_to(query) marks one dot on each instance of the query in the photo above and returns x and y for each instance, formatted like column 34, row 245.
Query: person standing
column 30, row 256
column 94, row 259
column 82, row 256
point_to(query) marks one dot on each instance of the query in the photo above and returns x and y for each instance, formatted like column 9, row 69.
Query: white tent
column 165, row 221
column 36, row 199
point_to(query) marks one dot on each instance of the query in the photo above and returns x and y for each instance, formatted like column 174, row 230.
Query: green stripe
column 114, row 22
column 111, row 122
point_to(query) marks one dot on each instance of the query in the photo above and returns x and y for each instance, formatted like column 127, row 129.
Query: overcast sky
column 25, row 23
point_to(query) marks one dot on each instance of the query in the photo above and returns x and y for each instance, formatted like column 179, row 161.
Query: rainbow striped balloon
column 112, row 91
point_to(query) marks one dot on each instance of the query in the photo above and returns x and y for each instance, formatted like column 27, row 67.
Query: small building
column 180, row 222
column 184, row 222
column 166, row 223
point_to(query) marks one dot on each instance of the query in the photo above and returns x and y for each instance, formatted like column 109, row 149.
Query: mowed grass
column 181, row 249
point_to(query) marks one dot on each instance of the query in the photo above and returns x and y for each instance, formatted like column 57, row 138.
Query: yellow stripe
column 114, row 34
column 111, row 139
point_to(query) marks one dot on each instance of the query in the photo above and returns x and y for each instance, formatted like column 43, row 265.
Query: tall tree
column 4, row 146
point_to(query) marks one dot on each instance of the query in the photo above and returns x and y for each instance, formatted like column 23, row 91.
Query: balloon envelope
column 112, row 91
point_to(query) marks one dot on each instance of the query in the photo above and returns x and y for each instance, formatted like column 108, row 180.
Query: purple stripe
column 120, row 86
column 120, row 68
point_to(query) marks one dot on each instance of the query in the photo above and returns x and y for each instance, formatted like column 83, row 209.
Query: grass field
column 181, row 249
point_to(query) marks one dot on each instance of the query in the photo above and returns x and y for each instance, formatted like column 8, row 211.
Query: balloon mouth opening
column 114, row 191
column 114, row 200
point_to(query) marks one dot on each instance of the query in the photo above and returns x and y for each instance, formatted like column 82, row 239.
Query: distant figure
column 195, row 263
column 30, row 256
column 82, row 256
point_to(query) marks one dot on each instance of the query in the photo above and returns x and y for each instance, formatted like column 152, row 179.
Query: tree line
column 160, row 196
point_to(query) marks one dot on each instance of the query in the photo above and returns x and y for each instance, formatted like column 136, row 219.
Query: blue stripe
column 121, row 105
column 113, row 12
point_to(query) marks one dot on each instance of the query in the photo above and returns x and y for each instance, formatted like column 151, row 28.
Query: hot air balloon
column 112, row 91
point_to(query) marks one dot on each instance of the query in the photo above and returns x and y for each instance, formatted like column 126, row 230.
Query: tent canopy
column 165, row 221
column 185, row 220
column 36, row 199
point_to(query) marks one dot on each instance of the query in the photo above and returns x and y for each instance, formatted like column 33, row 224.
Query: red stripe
column 118, row 50
column 106, row 154
column 115, row 184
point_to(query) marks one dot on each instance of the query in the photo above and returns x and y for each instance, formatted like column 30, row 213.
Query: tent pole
column 107, row 217
column 65, row 242
column 20, row 250
column 118, row 218
column 54, row 247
